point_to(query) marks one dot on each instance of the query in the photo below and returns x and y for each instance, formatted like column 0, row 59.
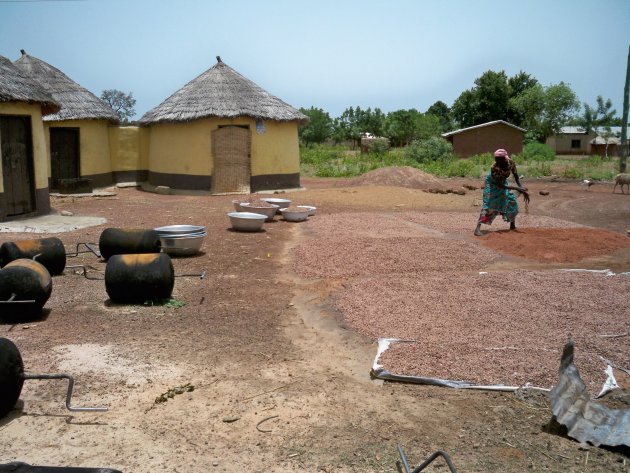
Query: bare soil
column 281, row 381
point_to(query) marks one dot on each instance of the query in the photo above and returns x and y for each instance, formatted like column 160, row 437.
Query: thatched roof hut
column 16, row 86
column 77, row 103
column 223, row 93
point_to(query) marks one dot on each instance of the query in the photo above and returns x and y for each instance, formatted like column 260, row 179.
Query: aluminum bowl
column 310, row 208
column 270, row 212
column 294, row 215
column 183, row 245
column 247, row 221
column 179, row 229
column 282, row 203
column 238, row 206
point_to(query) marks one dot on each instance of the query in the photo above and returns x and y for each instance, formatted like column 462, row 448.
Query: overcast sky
column 328, row 54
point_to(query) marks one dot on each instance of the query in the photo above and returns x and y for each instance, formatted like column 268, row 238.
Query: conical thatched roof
column 15, row 86
column 221, row 92
column 76, row 102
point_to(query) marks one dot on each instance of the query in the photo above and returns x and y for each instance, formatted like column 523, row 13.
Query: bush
column 539, row 169
column 429, row 150
column 538, row 152
column 573, row 173
column 320, row 154
column 485, row 159
column 378, row 146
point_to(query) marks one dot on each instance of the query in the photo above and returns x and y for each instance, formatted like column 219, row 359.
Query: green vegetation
column 435, row 157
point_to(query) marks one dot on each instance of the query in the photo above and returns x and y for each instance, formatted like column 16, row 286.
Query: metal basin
column 247, row 221
column 294, row 215
column 310, row 208
column 179, row 229
column 282, row 203
column 270, row 212
column 182, row 245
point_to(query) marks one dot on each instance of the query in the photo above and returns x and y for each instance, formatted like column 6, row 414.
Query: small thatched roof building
column 78, row 132
column 224, row 133
column 23, row 167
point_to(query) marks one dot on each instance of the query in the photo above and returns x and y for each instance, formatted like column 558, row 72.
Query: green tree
column 354, row 121
column 546, row 109
column 465, row 109
column 518, row 84
column 404, row 126
column 601, row 115
column 318, row 128
column 440, row 110
column 121, row 103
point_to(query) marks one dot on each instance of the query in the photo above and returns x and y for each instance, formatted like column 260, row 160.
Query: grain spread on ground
column 258, row 203
column 416, row 275
column 295, row 208
column 398, row 176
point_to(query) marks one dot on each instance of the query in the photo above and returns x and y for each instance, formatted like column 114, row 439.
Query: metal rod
column 85, row 273
column 70, row 379
column 426, row 462
column 91, row 248
column 201, row 275
column 12, row 300
column 403, row 459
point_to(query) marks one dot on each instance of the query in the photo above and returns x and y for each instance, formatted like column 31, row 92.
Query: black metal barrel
column 134, row 279
column 11, row 375
column 23, row 280
column 124, row 241
column 48, row 251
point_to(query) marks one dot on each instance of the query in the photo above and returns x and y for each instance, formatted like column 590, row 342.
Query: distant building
column 575, row 140
column 486, row 138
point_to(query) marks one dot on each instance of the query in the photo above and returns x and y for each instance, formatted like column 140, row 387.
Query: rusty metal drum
column 48, row 251
column 25, row 286
column 136, row 278
column 123, row 241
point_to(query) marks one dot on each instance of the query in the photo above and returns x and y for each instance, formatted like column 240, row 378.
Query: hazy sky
column 329, row 54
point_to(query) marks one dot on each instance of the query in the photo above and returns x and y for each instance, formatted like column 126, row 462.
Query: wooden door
column 231, row 147
column 64, row 154
column 16, row 148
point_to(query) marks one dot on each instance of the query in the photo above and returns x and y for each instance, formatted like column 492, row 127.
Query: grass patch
column 171, row 302
column 338, row 161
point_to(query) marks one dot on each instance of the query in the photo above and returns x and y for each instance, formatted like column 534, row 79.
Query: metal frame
column 426, row 462
column 70, row 379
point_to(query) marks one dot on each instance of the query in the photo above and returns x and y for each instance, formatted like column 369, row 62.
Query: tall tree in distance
column 318, row 128
column 440, row 110
column 121, row 103
column 518, row 84
column 601, row 115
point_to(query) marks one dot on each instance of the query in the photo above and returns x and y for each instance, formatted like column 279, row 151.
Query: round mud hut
column 223, row 133
column 78, row 134
column 24, row 162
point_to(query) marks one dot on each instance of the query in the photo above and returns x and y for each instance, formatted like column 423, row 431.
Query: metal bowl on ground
column 182, row 245
column 310, row 208
column 270, row 212
column 238, row 206
column 247, row 221
column 179, row 229
column 281, row 203
column 291, row 215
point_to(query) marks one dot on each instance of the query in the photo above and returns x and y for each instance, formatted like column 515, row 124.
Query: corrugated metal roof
column 450, row 133
column 586, row 420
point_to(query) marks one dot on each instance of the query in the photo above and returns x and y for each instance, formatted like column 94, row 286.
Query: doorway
column 16, row 149
column 231, row 148
column 64, row 155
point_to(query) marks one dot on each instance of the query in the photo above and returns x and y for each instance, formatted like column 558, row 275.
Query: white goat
column 622, row 179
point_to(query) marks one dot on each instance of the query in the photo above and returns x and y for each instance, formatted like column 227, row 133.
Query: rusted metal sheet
column 586, row 420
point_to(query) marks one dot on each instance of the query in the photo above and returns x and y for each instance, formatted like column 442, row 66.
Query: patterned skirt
column 497, row 201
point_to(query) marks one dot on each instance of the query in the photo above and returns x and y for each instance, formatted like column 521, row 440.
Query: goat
column 622, row 179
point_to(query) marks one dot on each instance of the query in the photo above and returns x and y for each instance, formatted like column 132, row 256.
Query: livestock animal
column 622, row 179
column 587, row 183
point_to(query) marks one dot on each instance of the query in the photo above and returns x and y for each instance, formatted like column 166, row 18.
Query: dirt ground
column 280, row 384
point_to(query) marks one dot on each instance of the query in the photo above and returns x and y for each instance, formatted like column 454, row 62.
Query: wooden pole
column 624, row 121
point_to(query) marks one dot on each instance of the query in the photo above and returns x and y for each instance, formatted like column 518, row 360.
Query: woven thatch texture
column 76, row 102
column 16, row 86
column 221, row 92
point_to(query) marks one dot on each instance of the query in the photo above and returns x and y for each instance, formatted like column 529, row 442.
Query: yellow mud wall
column 276, row 151
column 40, row 148
column 186, row 148
column 94, row 144
column 129, row 148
